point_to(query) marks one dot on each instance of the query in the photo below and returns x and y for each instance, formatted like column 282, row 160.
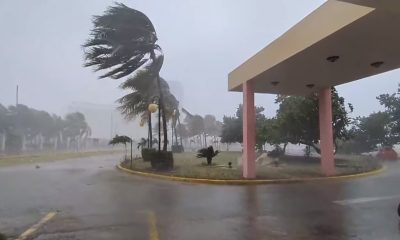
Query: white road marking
column 34, row 228
column 365, row 200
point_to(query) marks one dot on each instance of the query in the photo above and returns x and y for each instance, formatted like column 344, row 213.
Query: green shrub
column 177, row 149
column 146, row 152
column 3, row 237
column 161, row 160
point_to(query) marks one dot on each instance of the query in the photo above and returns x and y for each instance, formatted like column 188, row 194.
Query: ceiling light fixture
column 275, row 83
column 377, row 64
column 310, row 85
column 332, row 58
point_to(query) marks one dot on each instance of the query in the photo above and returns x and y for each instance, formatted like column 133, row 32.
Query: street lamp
column 153, row 107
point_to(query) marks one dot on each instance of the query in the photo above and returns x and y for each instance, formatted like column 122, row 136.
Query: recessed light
column 377, row 64
column 274, row 83
column 310, row 85
column 332, row 58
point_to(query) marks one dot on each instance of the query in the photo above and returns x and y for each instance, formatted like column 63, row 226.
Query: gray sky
column 202, row 41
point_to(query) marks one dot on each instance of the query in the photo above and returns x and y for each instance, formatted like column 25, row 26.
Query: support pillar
column 326, row 132
column 249, row 132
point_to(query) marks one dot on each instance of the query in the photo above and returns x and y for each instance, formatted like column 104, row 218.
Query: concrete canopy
column 359, row 32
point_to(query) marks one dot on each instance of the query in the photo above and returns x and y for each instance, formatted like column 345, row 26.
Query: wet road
column 95, row 201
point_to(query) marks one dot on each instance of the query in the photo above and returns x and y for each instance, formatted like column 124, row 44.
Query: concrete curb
column 248, row 182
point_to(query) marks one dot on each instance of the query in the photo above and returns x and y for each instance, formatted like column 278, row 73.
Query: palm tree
column 136, row 102
column 124, row 41
column 122, row 140
column 207, row 153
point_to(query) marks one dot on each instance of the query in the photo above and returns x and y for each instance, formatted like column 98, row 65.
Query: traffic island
column 287, row 169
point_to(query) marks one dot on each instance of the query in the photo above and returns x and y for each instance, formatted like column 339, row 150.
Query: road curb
column 248, row 182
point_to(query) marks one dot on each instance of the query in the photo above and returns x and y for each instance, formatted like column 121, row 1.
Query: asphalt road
column 95, row 201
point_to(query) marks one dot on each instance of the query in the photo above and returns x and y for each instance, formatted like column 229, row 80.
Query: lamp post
column 153, row 107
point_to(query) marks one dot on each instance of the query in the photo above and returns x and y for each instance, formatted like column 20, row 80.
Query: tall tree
column 299, row 117
column 374, row 130
column 391, row 102
column 123, row 41
column 144, row 90
column 232, row 128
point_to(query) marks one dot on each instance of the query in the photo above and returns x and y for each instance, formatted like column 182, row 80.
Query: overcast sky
column 203, row 41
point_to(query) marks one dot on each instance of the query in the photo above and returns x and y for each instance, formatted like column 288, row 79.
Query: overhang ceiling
column 359, row 32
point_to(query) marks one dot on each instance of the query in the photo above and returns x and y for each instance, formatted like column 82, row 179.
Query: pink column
column 249, row 132
column 326, row 132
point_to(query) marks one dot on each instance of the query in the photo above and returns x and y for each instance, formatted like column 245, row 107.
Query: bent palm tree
column 136, row 102
column 122, row 42
column 207, row 153
column 121, row 140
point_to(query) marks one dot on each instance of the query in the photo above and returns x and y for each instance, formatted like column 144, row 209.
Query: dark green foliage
column 147, row 153
column 3, row 237
column 122, row 39
column 298, row 119
column 161, row 160
column 232, row 127
column 75, row 125
column 207, row 153
column 374, row 130
column 22, row 122
column 123, row 42
column 142, row 144
column 177, row 149
column 391, row 102
column 276, row 152
column 120, row 140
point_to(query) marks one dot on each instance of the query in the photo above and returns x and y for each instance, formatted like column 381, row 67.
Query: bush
column 2, row 237
column 161, row 160
column 177, row 149
column 146, row 152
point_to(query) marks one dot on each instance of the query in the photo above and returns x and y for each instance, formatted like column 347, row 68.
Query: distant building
column 106, row 121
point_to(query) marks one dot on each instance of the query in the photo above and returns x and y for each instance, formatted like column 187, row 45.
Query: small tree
column 207, row 153
column 232, row 127
column 299, row 118
column 122, row 140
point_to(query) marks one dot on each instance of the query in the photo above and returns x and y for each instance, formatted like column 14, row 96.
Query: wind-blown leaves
column 122, row 38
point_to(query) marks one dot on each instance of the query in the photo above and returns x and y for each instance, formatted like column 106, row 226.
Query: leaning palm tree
column 136, row 102
column 122, row 140
column 143, row 92
column 122, row 42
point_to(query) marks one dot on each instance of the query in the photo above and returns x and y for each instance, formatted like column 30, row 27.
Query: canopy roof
column 341, row 41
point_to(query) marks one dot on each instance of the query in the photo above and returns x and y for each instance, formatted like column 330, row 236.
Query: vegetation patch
column 6, row 161
column 188, row 165
column 3, row 237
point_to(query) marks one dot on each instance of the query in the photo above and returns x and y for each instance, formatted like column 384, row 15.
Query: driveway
column 92, row 200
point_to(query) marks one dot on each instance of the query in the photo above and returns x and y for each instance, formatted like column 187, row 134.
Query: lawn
column 6, row 161
column 187, row 165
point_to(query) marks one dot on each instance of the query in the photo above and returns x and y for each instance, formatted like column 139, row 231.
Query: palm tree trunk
column 180, row 131
column 131, row 153
column 150, row 137
column 164, row 119
column 172, row 134
column 176, row 136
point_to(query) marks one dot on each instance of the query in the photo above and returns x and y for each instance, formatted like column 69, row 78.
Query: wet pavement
column 95, row 201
